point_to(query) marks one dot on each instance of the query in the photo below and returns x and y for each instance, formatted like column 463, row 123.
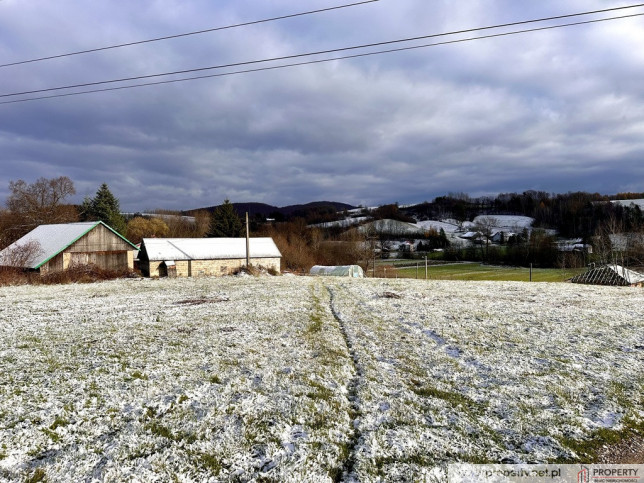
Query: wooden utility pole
column 247, row 243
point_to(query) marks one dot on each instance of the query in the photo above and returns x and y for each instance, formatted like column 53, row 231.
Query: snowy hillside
column 507, row 222
column 309, row 379
column 438, row 225
column 627, row 203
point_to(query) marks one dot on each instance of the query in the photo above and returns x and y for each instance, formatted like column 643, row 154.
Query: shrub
column 85, row 274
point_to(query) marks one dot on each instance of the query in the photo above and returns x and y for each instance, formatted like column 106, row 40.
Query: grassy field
column 314, row 379
column 477, row 271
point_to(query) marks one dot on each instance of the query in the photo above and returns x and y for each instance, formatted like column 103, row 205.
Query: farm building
column 193, row 257
column 53, row 248
column 352, row 271
column 610, row 275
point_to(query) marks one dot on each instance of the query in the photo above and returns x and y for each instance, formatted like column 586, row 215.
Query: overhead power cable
column 320, row 52
column 353, row 56
column 187, row 34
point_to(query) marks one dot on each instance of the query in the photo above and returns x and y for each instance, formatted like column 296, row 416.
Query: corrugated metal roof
column 159, row 249
column 52, row 240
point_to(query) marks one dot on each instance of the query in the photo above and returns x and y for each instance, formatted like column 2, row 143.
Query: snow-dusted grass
column 302, row 379
column 215, row 378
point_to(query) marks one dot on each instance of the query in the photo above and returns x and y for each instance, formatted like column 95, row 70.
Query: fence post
column 425, row 267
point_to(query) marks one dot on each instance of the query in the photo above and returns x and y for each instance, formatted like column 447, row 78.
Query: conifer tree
column 104, row 207
column 225, row 223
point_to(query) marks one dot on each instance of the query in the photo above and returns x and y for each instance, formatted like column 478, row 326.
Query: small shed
column 54, row 248
column 352, row 271
column 193, row 257
column 614, row 275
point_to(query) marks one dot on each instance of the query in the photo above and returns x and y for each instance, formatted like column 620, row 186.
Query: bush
column 75, row 274
column 255, row 271
column 15, row 276
column 85, row 274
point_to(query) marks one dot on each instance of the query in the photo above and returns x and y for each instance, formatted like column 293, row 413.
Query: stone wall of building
column 209, row 268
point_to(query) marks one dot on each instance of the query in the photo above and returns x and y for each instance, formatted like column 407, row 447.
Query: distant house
column 352, row 271
column 407, row 247
column 54, row 248
column 473, row 236
column 193, row 257
column 575, row 245
column 614, row 275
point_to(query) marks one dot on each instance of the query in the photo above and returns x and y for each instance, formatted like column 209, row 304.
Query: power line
column 308, row 54
column 319, row 61
column 196, row 32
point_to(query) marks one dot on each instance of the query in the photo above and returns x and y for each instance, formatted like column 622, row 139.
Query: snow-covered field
column 446, row 226
column 309, row 379
column 507, row 222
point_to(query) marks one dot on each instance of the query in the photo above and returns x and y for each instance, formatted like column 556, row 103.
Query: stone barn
column 194, row 257
column 54, row 248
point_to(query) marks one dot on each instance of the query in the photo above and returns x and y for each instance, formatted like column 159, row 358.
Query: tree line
column 588, row 216
column 572, row 215
column 46, row 201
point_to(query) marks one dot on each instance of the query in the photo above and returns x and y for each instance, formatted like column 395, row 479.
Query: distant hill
column 307, row 210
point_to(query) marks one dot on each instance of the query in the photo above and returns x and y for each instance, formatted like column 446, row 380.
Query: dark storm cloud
column 556, row 111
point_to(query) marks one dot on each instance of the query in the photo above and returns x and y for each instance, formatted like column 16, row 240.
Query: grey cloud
column 554, row 111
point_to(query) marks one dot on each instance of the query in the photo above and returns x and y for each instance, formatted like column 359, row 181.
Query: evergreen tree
column 104, row 207
column 225, row 223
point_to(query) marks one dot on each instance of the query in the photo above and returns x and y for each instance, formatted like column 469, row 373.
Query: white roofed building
column 193, row 257
column 53, row 248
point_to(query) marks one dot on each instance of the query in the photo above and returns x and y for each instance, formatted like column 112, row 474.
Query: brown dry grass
column 75, row 274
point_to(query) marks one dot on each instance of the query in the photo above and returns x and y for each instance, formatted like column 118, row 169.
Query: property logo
column 584, row 475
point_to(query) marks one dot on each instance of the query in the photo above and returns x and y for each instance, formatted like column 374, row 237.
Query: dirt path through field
column 348, row 473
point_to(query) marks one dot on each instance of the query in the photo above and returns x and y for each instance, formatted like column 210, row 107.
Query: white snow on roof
column 52, row 240
column 159, row 249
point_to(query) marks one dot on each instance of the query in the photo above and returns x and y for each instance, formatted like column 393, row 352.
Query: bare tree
column 41, row 202
column 610, row 241
column 485, row 225
column 20, row 255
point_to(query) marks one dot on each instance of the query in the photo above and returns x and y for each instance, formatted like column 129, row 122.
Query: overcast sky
column 558, row 110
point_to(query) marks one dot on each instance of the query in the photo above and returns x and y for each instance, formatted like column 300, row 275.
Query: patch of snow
column 507, row 222
column 438, row 225
column 628, row 203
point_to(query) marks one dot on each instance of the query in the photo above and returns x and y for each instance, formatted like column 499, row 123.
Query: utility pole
column 247, row 243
